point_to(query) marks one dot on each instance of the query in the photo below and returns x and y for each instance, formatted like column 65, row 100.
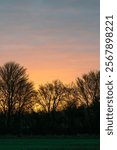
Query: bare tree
column 88, row 87
column 51, row 96
column 15, row 89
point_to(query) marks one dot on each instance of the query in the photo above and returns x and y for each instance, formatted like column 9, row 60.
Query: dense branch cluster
column 55, row 108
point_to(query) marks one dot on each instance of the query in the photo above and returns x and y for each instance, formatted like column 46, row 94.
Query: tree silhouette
column 89, row 87
column 89, row 93
column 63, row 109
column 51, row 96
column 15, row 89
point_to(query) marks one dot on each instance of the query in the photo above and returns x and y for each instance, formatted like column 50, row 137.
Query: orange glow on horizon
column 64, row 71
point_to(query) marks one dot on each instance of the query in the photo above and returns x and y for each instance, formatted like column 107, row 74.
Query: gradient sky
column 53, row 39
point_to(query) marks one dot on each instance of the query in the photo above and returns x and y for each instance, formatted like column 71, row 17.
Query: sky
column 53, row 39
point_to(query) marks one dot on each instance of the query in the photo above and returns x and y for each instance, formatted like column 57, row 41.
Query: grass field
column 49, row 144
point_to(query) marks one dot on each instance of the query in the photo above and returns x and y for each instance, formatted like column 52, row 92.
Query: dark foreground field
column 49, row 144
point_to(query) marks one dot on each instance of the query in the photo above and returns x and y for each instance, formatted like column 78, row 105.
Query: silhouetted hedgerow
column 54, row 109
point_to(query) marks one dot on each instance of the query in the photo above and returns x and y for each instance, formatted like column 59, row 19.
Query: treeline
column 53, row 109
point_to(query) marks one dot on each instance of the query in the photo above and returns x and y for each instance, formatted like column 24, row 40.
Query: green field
column 49, row 144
